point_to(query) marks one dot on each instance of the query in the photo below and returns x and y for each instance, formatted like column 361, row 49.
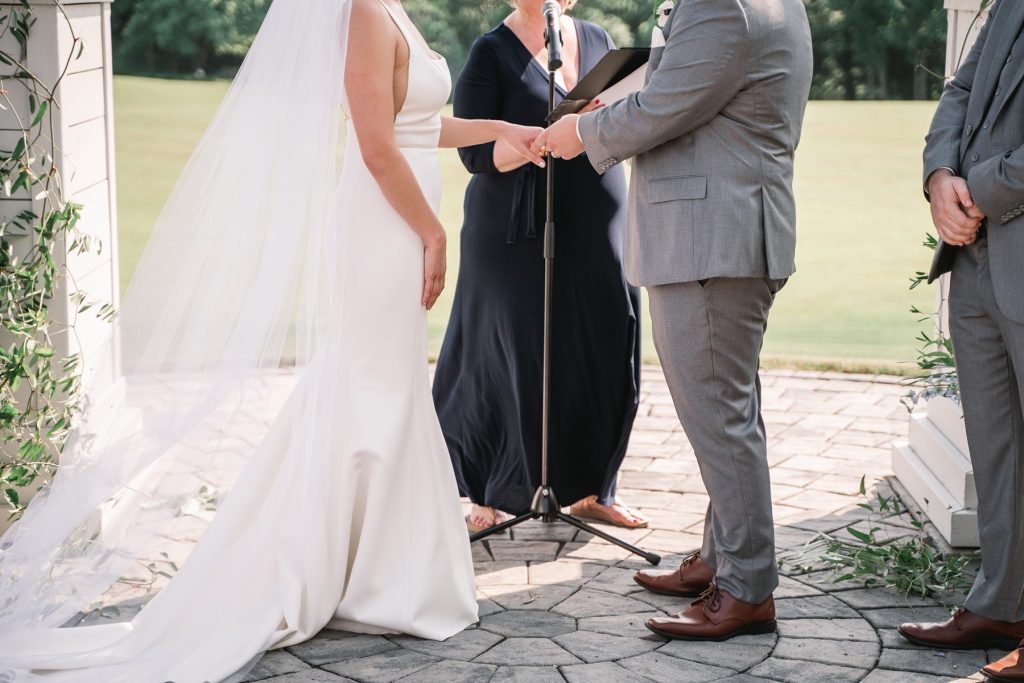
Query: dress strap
column 395, row 19
column 410, row 40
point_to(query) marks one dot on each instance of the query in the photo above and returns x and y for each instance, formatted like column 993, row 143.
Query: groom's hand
column 560, row 140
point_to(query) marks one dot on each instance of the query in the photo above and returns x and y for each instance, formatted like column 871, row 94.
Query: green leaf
column 12, row 497
column 43, row 106
column 19, row 147
column 859, row 535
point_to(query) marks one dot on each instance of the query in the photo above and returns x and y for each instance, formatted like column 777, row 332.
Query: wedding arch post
column 83, row 136
column 934, row 464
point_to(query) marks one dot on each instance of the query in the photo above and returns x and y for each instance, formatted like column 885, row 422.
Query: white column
column 934, row 464
column 84, row 137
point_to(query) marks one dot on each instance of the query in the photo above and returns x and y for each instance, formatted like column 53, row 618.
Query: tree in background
column 183, row 36
column 877, row 49
column 863, row 49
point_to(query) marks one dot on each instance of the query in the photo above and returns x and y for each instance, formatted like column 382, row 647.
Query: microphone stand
column 545, row 506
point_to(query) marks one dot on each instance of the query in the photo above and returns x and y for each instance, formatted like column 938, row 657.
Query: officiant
column 487, row 387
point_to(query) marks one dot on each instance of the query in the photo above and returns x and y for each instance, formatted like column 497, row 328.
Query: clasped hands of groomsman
column 974, row 179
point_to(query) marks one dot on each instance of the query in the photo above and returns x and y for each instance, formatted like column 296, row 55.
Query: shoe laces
column 711, row 597
column 688, row 560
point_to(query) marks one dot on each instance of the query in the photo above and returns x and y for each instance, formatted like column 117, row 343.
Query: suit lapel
column 997, row 48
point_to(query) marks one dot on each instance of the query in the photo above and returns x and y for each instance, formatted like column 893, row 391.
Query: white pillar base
column 935, row 468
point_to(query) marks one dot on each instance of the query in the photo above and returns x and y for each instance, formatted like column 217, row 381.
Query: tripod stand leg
column 580, row 524
column 498, row 528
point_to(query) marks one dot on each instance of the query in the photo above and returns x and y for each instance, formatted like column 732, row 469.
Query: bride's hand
column 520, row 139
column 434, row 267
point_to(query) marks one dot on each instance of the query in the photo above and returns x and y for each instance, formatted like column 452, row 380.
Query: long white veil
column 227, row 305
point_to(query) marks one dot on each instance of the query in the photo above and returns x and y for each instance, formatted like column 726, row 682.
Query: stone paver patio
column 557, row 605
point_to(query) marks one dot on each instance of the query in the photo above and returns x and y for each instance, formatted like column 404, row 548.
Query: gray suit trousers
column 990, row 360
column 708, row 335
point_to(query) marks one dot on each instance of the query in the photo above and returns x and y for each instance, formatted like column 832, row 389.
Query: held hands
column 955, row 215
column 560, row 139
column 520, row 139
column 434, row 267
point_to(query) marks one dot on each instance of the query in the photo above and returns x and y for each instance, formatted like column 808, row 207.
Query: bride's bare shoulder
column 371, row 29
column 370, row 15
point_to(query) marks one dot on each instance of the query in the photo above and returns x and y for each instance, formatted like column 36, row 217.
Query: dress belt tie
column 523, row 203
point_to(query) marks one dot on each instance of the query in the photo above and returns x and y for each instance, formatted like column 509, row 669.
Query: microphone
column 553, row 33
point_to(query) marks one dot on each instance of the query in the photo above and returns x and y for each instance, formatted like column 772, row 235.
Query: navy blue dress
column 487, row 387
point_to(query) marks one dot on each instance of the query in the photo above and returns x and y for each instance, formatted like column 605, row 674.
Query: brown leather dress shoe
column 965, row 631
column 717, row 615
column 691, row 579
column 1009, row 669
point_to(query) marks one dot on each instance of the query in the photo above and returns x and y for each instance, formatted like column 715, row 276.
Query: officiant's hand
column 520, row 139
column 560, row 140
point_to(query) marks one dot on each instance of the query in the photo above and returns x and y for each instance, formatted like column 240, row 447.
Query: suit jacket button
column 975, row 157
column 968, row 129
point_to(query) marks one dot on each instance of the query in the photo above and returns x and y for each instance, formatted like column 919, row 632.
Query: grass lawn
column 862, row 217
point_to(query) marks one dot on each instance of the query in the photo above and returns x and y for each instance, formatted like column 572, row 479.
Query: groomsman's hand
column 955, row 215
column 560, row 140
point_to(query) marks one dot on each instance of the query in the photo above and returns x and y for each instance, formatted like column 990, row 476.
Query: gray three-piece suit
column 978, row 133
column 712, row 235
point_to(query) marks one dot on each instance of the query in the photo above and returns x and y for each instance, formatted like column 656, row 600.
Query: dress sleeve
column 477, row 96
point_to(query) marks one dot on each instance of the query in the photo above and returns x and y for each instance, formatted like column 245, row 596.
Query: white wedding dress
column 346, row 513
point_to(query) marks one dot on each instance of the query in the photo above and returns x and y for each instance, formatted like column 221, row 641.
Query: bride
column 263, row 459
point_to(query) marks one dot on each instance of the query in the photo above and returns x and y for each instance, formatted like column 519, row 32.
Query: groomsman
column 974, row 179
column 712, row 235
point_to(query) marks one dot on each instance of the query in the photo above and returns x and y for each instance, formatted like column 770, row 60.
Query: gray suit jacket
column 713, row 134
column 978, row 132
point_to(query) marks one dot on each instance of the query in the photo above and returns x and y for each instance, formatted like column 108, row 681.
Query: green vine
column 935, row 359
column 872, row 557
column 39, row 387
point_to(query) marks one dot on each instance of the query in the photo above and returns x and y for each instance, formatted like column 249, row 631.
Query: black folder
column 613, row 67
column 942, row 261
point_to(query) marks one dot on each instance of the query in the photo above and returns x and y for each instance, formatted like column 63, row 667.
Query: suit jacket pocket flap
column 672, row 189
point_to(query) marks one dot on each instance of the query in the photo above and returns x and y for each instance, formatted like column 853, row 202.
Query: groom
column 712, row 234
